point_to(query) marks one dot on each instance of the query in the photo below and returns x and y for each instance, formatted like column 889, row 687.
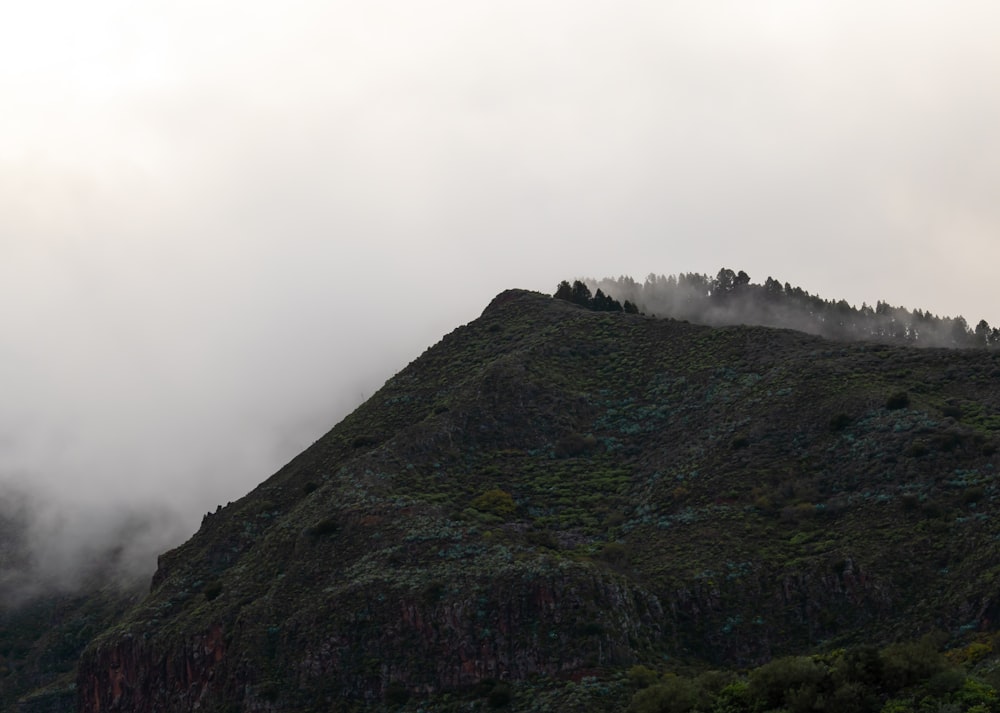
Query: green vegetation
column 910, row 676
column 731, row 298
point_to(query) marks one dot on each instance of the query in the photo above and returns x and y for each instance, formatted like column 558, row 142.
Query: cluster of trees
column 578, row 293
column 731, row 298
column 901, row 678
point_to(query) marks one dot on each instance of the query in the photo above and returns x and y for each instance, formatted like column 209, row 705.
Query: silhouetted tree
column 982, row 333
column 731, row 298
column 581, row 294
column 564, row 291
column 723, row 283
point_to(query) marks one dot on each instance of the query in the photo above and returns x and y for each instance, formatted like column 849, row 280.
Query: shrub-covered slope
column 554, row 492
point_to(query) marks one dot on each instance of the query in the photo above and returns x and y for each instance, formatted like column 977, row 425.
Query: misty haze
column 224, row 226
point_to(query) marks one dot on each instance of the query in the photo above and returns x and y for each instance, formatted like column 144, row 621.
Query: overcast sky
column 224, row 224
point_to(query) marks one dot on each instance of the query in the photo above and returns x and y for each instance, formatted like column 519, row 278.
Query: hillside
column 551, row 495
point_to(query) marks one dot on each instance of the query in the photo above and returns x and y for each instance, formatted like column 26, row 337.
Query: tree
column 564, row 291
column 581, row 294
column 772, row 288
column 982, row 333
column 724, row 283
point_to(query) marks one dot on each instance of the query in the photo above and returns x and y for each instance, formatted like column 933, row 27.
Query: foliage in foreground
column 911, row 676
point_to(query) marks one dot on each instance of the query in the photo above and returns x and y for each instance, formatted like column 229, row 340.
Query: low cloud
column 223, row 225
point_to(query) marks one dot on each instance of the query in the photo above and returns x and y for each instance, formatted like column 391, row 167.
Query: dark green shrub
column 792, row 682
column 840, row 422
column 946, row 681
column 898, row 400
column 575, row 444
column 483, row 687
column 590, row 628
column 856, row 671
column 672, row 695
column 973, row 495
column 614, row 553
column 364, row 441
column 642, row 676
column 309, row 487
column 433, row 592
column 499, row 696
column 328, row 526
column 906, row 664
column 739, row 442
column 976, row 693
column 396, row 694
column 947, row 441
column 269, row 691
column 495, row 502
column 932, row 508
column 952, row 411
column 212, row 590
column 542, row 538
column 734, row 698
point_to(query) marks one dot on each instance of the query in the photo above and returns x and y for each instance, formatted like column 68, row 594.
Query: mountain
column 552, row 496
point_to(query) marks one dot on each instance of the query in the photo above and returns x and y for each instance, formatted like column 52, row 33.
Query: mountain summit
column 557, row 494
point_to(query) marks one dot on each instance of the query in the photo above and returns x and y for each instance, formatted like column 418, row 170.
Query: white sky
column 223, row 224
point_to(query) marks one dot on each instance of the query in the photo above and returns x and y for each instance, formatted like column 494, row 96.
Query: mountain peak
column 552, row 492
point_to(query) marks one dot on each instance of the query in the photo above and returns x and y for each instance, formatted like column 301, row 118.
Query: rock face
column 555, row 492
column 136, row 677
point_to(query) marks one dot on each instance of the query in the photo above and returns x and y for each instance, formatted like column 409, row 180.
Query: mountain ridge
column 550, row 491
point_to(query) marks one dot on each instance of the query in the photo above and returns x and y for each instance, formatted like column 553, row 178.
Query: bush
column 327, row 526
column 909, row 663
column 614, row 553
column 973, row 494
column 673, row 695
column 574, row 444
column 396, row 694
column 946, row 681
column 499, row 696
column 364, row 441
column 898, row 400
column 952, row 411
column 739, row 442
column 642, row 676
column 840, row 422
column 792, row 682
column 495, row 502
column 542, row 538
column 734, row 698
column 976, row 693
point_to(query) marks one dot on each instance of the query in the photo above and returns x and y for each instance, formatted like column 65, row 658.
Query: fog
column 223, row 225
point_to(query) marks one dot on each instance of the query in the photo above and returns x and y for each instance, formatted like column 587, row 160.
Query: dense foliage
column 731, row 298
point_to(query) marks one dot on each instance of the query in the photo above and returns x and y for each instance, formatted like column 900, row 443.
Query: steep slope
column 551, row 491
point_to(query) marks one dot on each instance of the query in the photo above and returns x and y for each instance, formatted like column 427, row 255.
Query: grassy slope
column 693, row 471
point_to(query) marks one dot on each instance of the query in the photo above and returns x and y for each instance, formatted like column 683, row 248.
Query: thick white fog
column 223, row 225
